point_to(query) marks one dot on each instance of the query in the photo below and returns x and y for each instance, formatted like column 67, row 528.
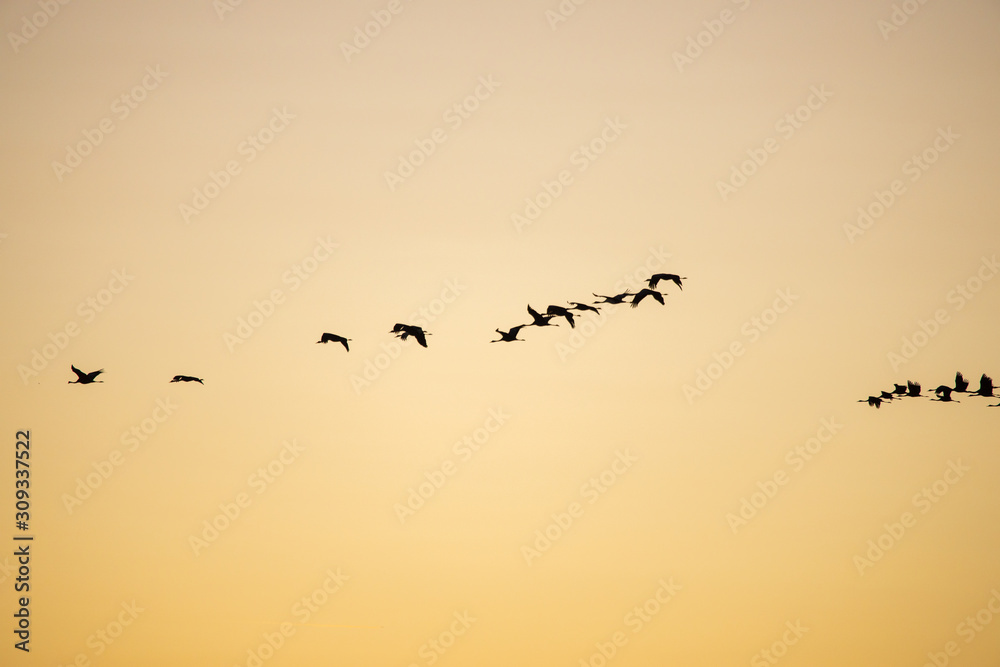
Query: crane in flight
column 944, row 394
column 643, row 294
column 898, row 389
column 873, row 401
column 672, row 277
column 559, row 311
column 510, row 336
column 539, row 320
column 84, row 378
column 582, row 306
column 961, row 384
column 187, row 378
column 404, row 330
column 334, row 338
column 912, row 388
column 618, row 298
column 985, row 386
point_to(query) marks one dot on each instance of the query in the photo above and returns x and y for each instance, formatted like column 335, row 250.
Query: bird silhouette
column 618, row 298
column 582, row 306
column 643, row 294
column 886, row 396
column 961, row 384
column 672, row 277
column 334, row 338
column 84, row 378
column 540, row 320
column 898, row 389
column 187, row 378
column 509, row 336
column 873, row 401
column 985, row 386
column 559, row 311
column 404, row 330
column 943, row 394
column 912, row 388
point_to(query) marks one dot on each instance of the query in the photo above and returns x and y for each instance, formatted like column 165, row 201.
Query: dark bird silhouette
column 672, row 277
column 943, row 394
column 643, row 294
column 509, row 336
column 886, row 396
column 582, row 306
column 84, row 378
column 559, row 311
column 404, row 330
column 912, row 388
column 898, row 389
column 873, row 401
column 334, row 338
column 961, row 384
column 985, row 386
column 618, row 298
column 187, row 378
column 540, row 320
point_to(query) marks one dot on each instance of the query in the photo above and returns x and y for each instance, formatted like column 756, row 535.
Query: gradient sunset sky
column 205, row 187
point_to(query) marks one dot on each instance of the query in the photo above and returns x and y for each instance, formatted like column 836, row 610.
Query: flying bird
column 672, row 277
column 334, row 338
column 618, row 298
column 559, row 311
column 404, row 330
column 961, row 384
column 886, row 396
column 540, row 320
column 898, row 389
column 84, row 378
column 944, row 394
column 873, row 401
column 509, row 336
column 912, row 388
column 985, row 386
column 582, row 306
column 187, row 378
column 643, row 294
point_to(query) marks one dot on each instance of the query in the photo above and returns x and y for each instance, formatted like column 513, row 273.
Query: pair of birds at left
column 91, row 377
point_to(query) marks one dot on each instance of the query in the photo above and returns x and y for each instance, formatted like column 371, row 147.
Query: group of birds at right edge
column 943, row 392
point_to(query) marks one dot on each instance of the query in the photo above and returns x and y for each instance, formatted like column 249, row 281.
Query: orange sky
column 204, row 188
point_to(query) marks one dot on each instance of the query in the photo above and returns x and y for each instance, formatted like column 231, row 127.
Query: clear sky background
column 637, row 144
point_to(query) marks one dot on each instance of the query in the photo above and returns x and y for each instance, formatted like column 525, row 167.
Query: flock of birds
column 943, row 392
column 405, row 331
